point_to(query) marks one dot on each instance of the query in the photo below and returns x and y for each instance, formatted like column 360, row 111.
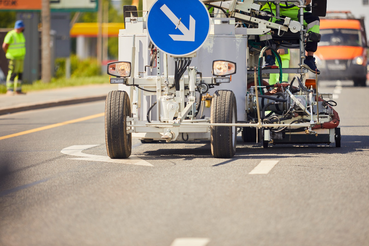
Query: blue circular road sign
column 178, row 27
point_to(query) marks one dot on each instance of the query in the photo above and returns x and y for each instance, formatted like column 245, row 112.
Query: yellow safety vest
column 17, row 45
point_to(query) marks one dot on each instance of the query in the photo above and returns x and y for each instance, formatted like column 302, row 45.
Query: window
column 340, row 37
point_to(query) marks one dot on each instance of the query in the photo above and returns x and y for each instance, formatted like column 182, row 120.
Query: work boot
column 20, row 93
column 269, row 61
column 10, row 93
column 309, row 63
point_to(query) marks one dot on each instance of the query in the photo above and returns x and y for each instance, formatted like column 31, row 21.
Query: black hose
column 331, row 103
column 198, row 106
column 262, row 116
column 180, row 69
column 284, row 97
column 293, row 80
column 291, row 85
column 185, row 140
column 148, row 112
column 273, row 98
column 143, row 89
column 176, row 82
column 302, row 86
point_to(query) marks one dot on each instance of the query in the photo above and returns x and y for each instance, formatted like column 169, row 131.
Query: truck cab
column 342, row 51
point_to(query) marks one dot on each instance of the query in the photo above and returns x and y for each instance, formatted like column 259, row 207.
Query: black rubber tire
column 360, row 82
column 118, row 141
column 337, row 137
column 223, row 138
column 249, row 135
column 265, row 144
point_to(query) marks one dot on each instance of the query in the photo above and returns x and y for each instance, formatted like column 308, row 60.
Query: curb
column 51, row 104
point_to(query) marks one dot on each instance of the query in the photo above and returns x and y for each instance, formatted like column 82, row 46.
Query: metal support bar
column 300, row 125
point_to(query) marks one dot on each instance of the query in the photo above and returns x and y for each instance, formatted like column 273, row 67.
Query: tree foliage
column 114, row 16
column 7, row 19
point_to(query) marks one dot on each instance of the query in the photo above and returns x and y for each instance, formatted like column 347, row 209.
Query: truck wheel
column 223, row 138
column 337, row 137
column 249, row 135
column 118, row 141
column 265, row 144
column 360, row 82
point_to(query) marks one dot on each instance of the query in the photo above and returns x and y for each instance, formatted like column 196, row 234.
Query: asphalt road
column 57, row 187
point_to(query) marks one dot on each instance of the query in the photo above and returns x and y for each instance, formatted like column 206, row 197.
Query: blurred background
column 84, row 34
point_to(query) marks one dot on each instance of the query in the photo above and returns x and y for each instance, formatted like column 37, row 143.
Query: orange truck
column 342, row 51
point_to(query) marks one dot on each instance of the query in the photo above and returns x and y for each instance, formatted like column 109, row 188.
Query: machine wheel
column 249, row 135
column 118, row 141
column 360, row 82
column 337, row 137
column 223, row 138
column 265, row 143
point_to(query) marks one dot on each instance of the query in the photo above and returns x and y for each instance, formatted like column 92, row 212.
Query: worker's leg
column 313, row 27
column 19, row 71
column 285, row 64
column 11, row 76
column 274, row 77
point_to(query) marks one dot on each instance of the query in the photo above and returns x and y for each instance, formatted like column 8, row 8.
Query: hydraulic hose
column 148, row 112
column 273, row 98
column 264, row 108
column 275, row 53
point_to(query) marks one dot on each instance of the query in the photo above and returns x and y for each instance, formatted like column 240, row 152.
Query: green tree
column 113, row 16
column 7, row 19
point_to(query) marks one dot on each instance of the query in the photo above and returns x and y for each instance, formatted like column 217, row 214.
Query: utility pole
column 46, row 50
column 99, row 34
column 105, row 31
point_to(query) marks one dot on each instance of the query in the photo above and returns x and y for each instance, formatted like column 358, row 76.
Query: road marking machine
column 185, row 76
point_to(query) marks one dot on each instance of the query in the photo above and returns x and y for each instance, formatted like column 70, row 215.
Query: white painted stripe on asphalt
column 337, row 90
column 76, row 150
column 264, row 167
column 190, row 242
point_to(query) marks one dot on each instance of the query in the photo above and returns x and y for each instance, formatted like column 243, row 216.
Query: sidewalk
column 55, row 97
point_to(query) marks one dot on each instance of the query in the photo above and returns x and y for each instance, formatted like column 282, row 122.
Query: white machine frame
column 180, row 116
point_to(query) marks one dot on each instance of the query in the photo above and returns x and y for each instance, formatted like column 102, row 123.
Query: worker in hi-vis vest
column 312, row 24
column 14, row 47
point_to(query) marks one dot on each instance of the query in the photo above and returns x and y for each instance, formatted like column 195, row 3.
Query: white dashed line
column 337, row 90
column 264, row 167
column 190, row 242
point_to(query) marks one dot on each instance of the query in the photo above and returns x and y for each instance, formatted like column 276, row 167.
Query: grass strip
column 61, row 83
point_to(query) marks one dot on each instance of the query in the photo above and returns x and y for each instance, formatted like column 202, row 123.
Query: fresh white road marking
column 76, row 150
column 264, row 167
column 337, row 90
column 190, row 242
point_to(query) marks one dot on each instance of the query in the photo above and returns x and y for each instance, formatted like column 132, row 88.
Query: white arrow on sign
column 188, row 34
column 76, row 150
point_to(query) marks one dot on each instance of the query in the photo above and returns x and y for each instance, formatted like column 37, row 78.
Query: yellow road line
column 52, row 126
